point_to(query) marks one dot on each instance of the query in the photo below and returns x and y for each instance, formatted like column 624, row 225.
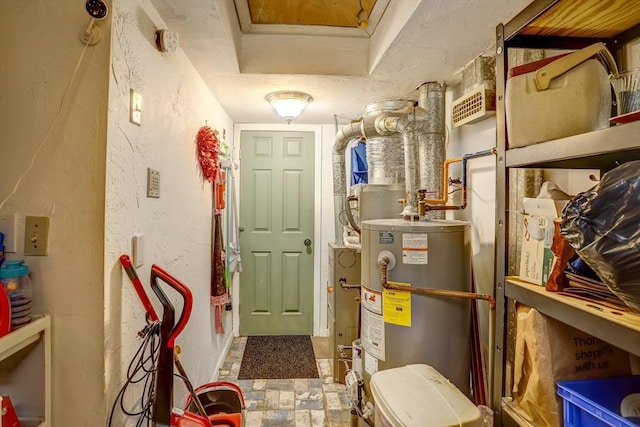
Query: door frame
column 317, row 212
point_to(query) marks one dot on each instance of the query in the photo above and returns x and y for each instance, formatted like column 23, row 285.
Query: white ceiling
column 415, row 41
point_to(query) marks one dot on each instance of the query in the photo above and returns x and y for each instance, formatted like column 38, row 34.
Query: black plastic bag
column 603, row 226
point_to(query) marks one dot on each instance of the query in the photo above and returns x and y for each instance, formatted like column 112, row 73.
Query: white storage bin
column 419, row 396
column 558, row 97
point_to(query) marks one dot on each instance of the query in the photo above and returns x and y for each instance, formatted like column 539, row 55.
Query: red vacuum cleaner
column 218, row 403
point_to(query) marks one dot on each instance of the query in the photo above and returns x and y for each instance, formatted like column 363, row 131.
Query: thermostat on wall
column 153, row 183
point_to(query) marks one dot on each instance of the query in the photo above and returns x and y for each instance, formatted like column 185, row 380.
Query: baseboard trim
column 223, row 357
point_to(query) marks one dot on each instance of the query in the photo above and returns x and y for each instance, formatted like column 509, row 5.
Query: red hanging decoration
column 208, row 149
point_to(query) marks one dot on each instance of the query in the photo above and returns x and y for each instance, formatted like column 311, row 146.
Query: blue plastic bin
column 588, row 403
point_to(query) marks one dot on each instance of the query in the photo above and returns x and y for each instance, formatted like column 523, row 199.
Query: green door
column 276, row 238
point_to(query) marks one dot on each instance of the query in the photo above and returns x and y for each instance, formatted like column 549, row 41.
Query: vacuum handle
column 137, row 285
column 158, row 273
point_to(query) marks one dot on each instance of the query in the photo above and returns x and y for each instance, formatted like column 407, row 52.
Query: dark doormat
column 278, row 357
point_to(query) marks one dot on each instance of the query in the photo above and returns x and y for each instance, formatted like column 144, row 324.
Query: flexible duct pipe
column 365, row 127
column 409, row 123
column 385, row 152
column 344, row 135
column 431, row 143
column 411, row 172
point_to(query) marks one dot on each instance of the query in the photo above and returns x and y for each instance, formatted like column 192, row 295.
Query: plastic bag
column 602, row 225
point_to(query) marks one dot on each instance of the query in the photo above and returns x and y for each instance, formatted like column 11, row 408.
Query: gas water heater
column 399, row 328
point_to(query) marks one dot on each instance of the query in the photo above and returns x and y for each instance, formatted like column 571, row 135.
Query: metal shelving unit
column 619, row 328
column 559, row 24
column 601, row 149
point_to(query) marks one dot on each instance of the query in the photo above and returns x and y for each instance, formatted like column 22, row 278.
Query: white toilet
column 419, row 396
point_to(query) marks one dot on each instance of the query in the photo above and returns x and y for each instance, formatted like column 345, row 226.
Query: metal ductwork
column 386, row 124
column 365, row 127
column 431, row 142
column 385, row 153
column 408, row 123
column 344, row 135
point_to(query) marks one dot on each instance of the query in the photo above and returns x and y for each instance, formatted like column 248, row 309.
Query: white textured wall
column 176, row 226
column 480, row 211
column 77, row 153
column 39, row 51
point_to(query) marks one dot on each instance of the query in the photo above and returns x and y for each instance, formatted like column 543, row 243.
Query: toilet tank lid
column 419, row 396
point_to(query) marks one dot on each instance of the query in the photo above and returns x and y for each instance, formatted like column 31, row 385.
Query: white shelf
column 22, row 337
column 37, row 331
column 617, row 327
column 601, row 149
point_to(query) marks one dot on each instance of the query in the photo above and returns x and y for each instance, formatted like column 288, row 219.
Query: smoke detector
column 473, row 106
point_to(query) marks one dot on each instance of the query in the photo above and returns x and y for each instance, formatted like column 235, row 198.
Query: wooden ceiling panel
column 586, row 18
column 331, row 13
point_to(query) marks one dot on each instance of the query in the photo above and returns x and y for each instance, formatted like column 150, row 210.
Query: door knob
column 307, row 242
column 241, row 228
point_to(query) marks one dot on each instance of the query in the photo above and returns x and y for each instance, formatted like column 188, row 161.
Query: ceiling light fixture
column 362, row 18
column 289, row 104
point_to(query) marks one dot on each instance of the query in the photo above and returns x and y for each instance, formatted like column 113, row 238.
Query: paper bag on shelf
column 548, row 351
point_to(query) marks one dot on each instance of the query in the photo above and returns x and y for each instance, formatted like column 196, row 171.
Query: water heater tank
column 402, row 328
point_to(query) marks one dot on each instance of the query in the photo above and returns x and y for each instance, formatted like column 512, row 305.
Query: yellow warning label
column 397, row 305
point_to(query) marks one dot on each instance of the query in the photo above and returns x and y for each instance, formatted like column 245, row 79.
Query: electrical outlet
column 36, row 235
column 8, row 228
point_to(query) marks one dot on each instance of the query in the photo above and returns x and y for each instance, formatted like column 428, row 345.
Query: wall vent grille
column 473, row 106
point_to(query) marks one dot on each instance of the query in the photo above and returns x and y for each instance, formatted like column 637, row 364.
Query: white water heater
column 400, row 328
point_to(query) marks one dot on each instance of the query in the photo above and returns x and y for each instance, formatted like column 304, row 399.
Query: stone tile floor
column 307, row 402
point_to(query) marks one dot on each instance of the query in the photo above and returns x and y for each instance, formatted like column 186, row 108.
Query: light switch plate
column 137, row 249
column 153, row 183
column 36, row 235
column 135, row 107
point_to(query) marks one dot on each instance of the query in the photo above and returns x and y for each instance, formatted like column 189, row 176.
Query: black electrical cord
column 142, row 369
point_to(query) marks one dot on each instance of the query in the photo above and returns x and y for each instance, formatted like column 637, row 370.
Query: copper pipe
column 450, row 207
column 445, row 198
column 384, row 261
column 465, row 158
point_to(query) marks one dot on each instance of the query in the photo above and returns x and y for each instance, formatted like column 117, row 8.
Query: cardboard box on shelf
column 536, row 257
